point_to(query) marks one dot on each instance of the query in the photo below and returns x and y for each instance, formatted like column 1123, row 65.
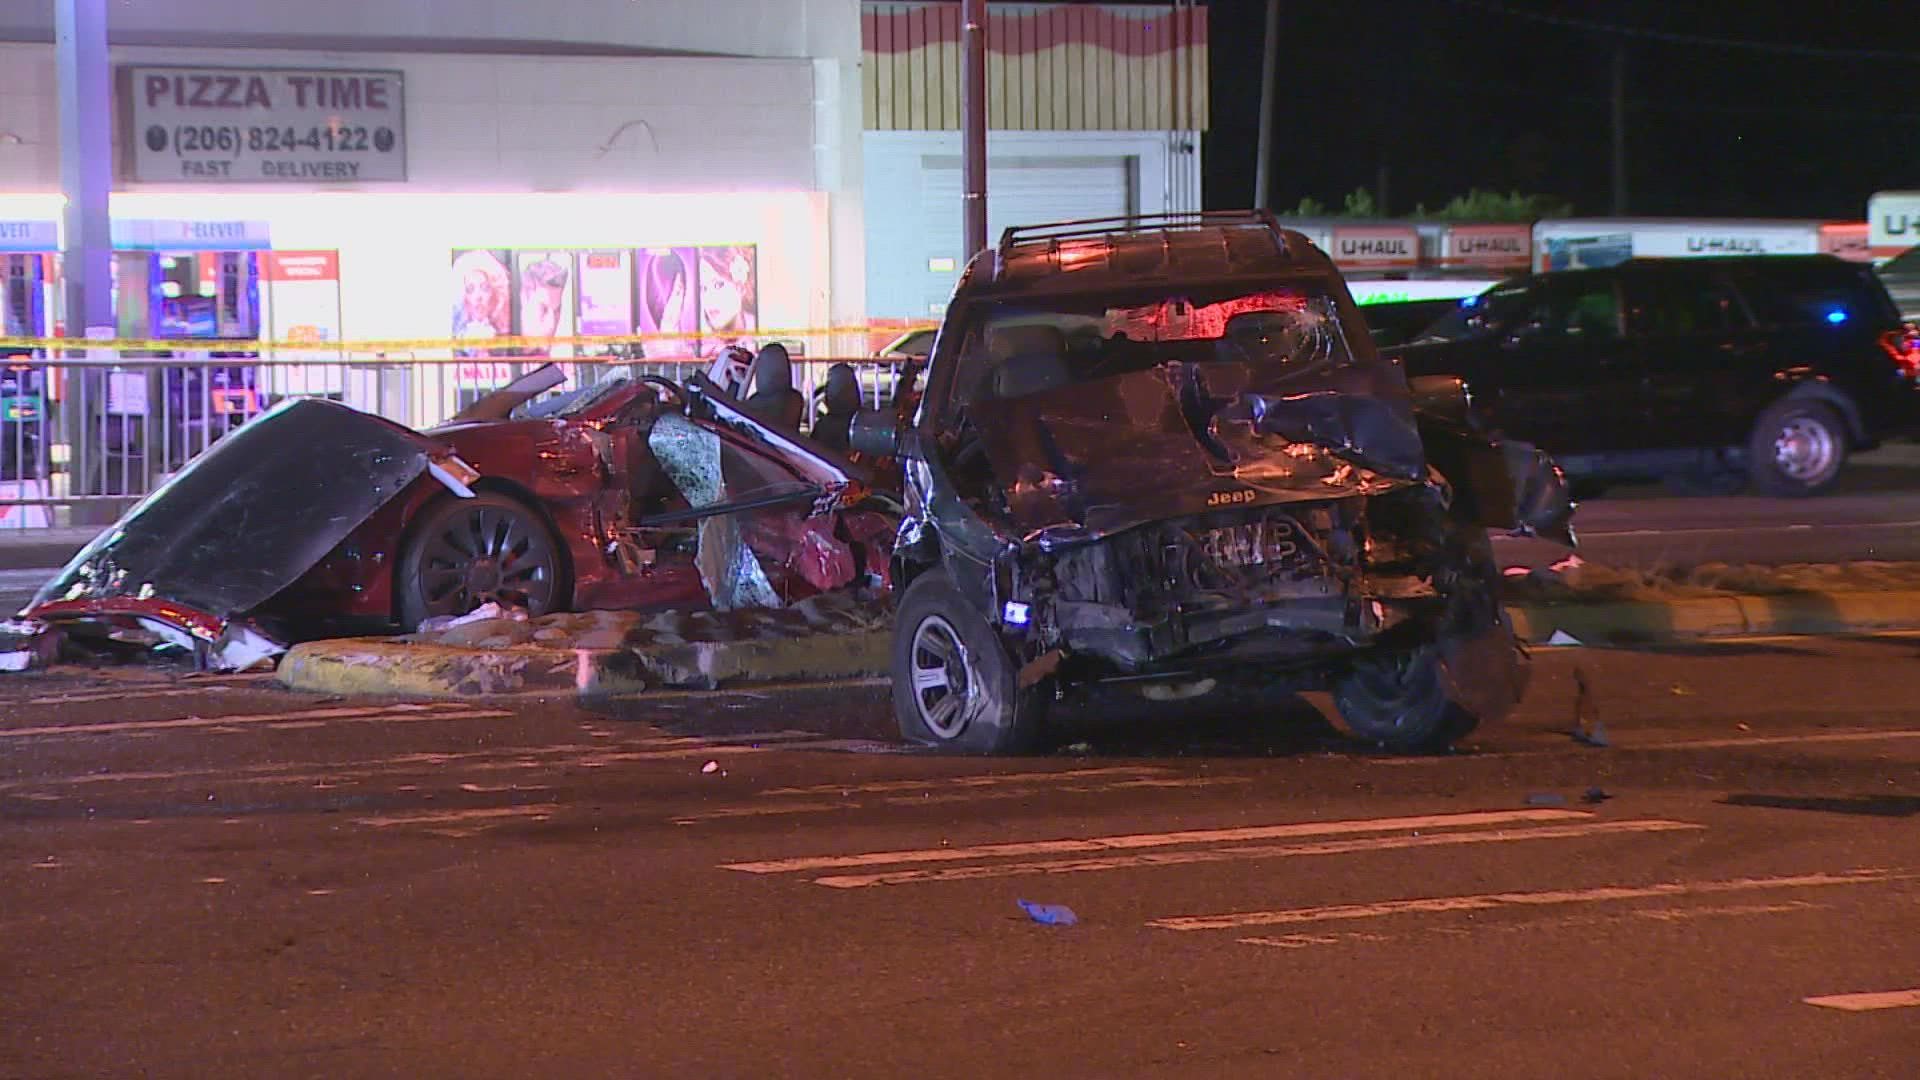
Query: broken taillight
column 1904, row 346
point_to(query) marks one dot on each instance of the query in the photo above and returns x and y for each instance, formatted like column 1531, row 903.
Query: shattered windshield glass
column 1101, row 413
column 1275, row 331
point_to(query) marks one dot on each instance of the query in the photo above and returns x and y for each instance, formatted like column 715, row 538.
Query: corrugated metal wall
column 1050, row 67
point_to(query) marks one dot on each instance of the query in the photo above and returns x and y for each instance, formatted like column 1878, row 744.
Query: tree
column 1477, row 205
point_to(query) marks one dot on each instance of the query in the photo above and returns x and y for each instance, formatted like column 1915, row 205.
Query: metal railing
column 81, row 440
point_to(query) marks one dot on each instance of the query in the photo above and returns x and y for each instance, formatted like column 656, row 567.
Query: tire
column 462, row 553
column 954, row 686
column 1398, row 700
column 1797, row 448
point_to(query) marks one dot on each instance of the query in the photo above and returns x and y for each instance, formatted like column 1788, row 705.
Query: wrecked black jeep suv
column 1162, row 451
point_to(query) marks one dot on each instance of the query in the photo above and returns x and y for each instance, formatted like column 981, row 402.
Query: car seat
column 1035, row 362
column 841, row 400
column 774, row 400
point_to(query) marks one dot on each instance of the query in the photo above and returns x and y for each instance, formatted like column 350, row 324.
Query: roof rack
column 1053, row 232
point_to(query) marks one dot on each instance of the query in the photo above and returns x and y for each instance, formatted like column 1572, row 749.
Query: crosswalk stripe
column 1248, row 853
column 1885, row 999
column 1488, row 901
column 1146, row 840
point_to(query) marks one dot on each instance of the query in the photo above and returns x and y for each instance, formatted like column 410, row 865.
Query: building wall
column 1049, row 66
column 792, row 29
column 510, row 123
column 1161, row 174
column 757, row 98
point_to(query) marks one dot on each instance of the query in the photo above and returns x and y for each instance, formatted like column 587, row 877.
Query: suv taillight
column 1904, row 346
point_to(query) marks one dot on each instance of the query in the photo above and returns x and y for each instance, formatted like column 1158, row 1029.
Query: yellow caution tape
column 480, row 347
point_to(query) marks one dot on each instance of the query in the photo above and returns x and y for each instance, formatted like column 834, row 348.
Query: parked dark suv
column 1162, row 452
column 1701, row 372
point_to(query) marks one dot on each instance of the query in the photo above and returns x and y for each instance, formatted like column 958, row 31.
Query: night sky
column 1450, row 94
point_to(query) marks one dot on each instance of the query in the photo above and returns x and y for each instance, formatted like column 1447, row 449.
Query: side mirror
column 1444, row 396
column 874, row 433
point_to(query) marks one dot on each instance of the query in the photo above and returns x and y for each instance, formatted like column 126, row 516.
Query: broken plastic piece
column 454, row 474
column 488, row 610
column 242, row 648
column 710, row 767
column 1049, row 914
column 1561, row 637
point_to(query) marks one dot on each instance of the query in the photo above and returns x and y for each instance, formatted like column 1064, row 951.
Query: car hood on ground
column 242, row 521
column 1090, row 459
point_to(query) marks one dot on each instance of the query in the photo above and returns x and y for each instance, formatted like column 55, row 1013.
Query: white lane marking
column 771, row 810
column 1144, row 840
column 938, row 798
column 884, row 786
column 116, row 695
column 1694, row 744
column 1249, row 852
column 1745, row 529
column 1884, row 999
column 1780, row 740
column 532, row 811
column 933, row 798
column 473, row 761
column 1565, row 922
column 446, row 711
column 1489, row 901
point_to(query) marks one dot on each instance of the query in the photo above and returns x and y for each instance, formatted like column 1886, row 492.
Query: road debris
column 1049, row 914
column 1587, row 725
column 710, row 767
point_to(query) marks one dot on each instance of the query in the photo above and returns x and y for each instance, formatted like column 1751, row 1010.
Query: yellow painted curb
column 374, row 667
column 1719, row 616
column 359, row 667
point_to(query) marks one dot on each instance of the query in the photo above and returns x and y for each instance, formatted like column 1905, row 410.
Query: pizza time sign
column 264, row 125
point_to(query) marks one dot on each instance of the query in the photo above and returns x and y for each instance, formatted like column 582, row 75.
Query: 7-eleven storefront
column 390, row 301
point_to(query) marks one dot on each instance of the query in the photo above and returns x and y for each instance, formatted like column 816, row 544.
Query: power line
column 1593, row 26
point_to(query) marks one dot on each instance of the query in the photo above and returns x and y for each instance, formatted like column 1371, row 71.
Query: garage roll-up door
column 1020, row 191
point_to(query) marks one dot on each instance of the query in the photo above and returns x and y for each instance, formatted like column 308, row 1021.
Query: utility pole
column 1269, row 72
column 1619, row 128
column 973, row 123
column 86, row 161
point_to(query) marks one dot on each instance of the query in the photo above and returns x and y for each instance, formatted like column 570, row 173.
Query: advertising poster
column 668, row 286
column 482, row 310
column 606, row 293
column 545, row 286
column 303, row 305
column 729, row 297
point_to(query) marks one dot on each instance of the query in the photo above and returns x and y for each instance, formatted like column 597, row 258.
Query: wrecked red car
column 317, row 519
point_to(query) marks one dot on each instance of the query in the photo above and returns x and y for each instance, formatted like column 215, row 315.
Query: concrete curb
column 372, row 667
column 1684, row 619
column 367, row 667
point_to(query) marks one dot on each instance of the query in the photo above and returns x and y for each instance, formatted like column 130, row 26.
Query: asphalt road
column 202, row 876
